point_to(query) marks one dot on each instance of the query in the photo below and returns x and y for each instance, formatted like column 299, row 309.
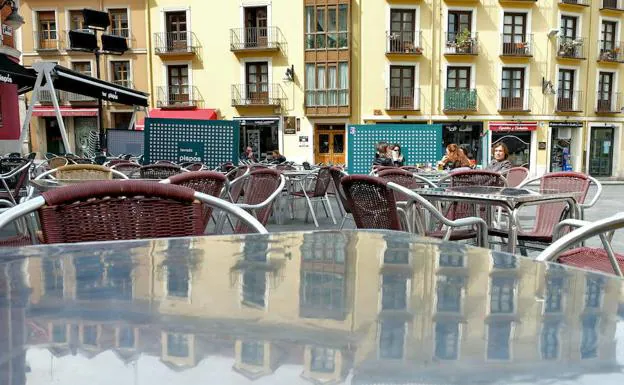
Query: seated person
column 381, row 156
column 500, row 162
column 454, row 158
column 248, row 155
column 396, row 156
column 277, row 158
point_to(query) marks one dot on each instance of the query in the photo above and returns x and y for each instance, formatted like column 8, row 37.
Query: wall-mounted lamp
column 290, row 74
column 553, row 32
column 13, row 20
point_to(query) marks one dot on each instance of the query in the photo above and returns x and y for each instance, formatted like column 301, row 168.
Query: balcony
column 609, row 51
column 460, row 100
column 514, row 100
column 612, row 5
column 47, row 41
column 402, row 99
column 179, row 97
column 608, row 102
column 569, row 48
column 256, row 39
column 569, row 101
column 519, row 47
column 76, row 98
column 45, row 97
column 580, row 3
column 406, row 43
column 463, row 43
column 259, row 95
column 175, row 43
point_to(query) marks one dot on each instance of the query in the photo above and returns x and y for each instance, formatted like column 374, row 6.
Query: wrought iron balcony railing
column 73, row 97
column 175, row 43
column 403, row 98
column 514, row 99
column 179, row 97
column 256, row 39
column 45, row 97
column 514, row 45
column 462, row 43
column 608, row 102
column 616, row 5
column 457, row 99
column 571, row 48
column 569, row 101
column 47, row 40
column 334, row 97
column 610, row 51
column 257, row 94
column 404, row 42
column 583, row 3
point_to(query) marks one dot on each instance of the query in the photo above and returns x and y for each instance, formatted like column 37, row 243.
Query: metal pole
column 99, row 106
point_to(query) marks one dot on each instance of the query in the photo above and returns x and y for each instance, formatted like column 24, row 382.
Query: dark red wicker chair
column 376, row 169
column 130, row 169
column 159, row 171
column 337, row 174
column 265, row 186
column 116, row 161
column 406, row 179
column 207, row 182
column 372, row 203
column 515, row 176
column 321, row 181
column 190, row 166
column 14, row 176
column 237, row 182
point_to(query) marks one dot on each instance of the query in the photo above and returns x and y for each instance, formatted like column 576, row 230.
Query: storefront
column 603, row 154
column 519, row 139
column 466, row 135
column 14, row 80
column 565, row 146
column 261, row 134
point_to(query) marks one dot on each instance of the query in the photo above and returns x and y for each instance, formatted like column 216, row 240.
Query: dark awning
column 13, row 73
column 72, row 81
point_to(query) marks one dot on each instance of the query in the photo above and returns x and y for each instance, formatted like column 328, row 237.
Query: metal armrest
column 16, row 171
column 267, row 201
column 596, row 196
column 233, row 209
column 558, row 229
column 425, row 181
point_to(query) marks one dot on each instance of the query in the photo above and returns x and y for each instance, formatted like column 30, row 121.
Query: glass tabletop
column 496, row 193
column 351, row 307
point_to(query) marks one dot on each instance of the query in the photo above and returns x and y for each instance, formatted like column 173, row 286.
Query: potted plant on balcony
column 463, row 42
column 568, row 47
column 609, row 54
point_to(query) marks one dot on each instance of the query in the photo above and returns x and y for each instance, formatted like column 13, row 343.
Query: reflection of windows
column 177, row 345
column 446, row 340
column 252, row 353
column 502, row 295
column 107, row 278
column 53, row 277
column 177, row 280
column 593, row 292
column 89, row 335
column 323, row 360
column 589, row 338
column 397, row 252
column 451, row 255
column 254, row 286
column 323, row 291
column 391, row 339
column 554, row 294
column 126, row 337
column 498, row 340
column 550, row 341
column 76, row 20
column 449, row 292
column 393, row 292
column 59, row 333
column 503, row 261
column 256, row 249
column 321, row 249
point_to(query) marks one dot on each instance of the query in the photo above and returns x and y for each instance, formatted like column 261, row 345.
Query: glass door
column 330, row 145
column 176, row 31
column 601, row 151
column 258, row 83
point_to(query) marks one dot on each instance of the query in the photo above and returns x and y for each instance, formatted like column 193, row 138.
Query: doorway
column 329, row 144
column 601, row 151
column 256, row 27
column 54, row 140
column 176, row 31
column 257, row 82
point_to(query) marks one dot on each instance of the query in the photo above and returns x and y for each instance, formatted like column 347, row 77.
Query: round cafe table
column 353, row 307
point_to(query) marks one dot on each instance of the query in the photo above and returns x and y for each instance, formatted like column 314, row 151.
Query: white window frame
column 512, row 332
column 527, row 82
column 445, row 18
column 408, row 291
column 406, row 336
column 577, row 71
column 163, row 20
column 109, row 72
column 416, row 66
column 529, row 21
column 243, row 73
column 473, row 73
column 459, row 341
column 189, row 292
column 252, row 4
column 90, row 61
column 165, row 69
column 579, row 22
column 415, row 7
column 35, row 21
column 616, row 83
column 540, row 345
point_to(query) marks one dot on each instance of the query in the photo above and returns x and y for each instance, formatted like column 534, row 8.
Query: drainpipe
column 585, row 133
column 148, row 45
column 435, row 59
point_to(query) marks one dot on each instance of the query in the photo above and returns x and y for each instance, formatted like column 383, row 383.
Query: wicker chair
column 83, row 172
column 116, row 161
column 159, row 171
column 405, row 179
column 190, row 166
column 267, row 185
column 410, row 168
column 121, row 210
column 236, row 182
column 14, row 175
column 321, row 180
column 130, row 169
column 515, row 176
column 605, row 260
column 376, row 169
column 206, row 182
column 337, row 174
column 371, row 202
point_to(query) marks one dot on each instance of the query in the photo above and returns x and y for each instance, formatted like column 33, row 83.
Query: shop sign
column 303, row 141
column 513, row 126
column 190, row 152
column 565, row 124
column 290, row 125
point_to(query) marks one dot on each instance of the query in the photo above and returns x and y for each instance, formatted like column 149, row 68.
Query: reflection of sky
column 107, row 369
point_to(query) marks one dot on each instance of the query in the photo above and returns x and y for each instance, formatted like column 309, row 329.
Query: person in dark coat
column 500, row 161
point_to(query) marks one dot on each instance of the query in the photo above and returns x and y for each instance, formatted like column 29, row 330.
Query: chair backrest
column 236, row 189
column 549, row 214
column 337, row 174
column 285, row 167
column 116, row 161
column 159, row 171
column 410, row 168
column 403, row 178
column 132, row 170
column 515, row 176
column 376, row 169
column 372, row 203
column 190, row 166
column 207, row 182
column 84, row 172
column 264, row 182
column 476, row 178
column 80, row 161
column 116, row 210
column 323, row 179
column 15, row 173
column 57, row 162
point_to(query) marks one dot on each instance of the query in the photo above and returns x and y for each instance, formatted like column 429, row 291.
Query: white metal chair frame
column 12, row 173
column 304, row 183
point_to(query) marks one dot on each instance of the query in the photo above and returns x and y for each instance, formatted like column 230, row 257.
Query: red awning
column 66, row 111
column 513, row 126
column 196, row 114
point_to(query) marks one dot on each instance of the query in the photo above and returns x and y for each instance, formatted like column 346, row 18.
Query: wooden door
column 329, row 146
column 402, row 87
column 178, row 84
column 565, row 93
column 177, row 34
column 402, row 28
column 605, row 91
column 512, row 91
column 514, row 34
column 256, row 34
column 257, row 83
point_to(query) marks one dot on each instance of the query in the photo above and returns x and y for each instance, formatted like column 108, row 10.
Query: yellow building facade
column 44, row 37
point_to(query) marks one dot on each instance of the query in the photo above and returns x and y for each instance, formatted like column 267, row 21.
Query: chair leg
column 344, row 219
column 325, row 200
column 312, row 210
column 339, row 204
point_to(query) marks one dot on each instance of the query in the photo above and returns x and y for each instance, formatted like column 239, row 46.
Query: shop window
column 498, row 339
column 252, row 353
column 447, row 340
column 119, row 22
column 502, row 295
column 120, row 71
column 323, row 360
column 327, row 27
column 392, row 339
column 519, row 145
column 177, row 345
column 449, row 293
column 394, row 292
column 549, row 341
column 121, row 120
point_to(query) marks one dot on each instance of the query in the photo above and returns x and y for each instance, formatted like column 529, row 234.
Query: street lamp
column 13, row 20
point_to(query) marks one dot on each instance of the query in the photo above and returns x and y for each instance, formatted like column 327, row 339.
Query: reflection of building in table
column 384, row 307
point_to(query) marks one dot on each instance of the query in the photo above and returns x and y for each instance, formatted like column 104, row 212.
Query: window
column 594, row 287
column 515, row 34
column 126, row 337
column 403, row 30
column 323, row 291
column 459, row 22
column 451, row 255
column 401, row 90
column 503, row 261
column 498, row 340
column 394, row 292
column 554, row 294
column 589, row 338
column 119, row 22
column 502, row 295
column 449, row 293
column 178, row 81
column 607, row 36
column 565, row 93
column 177, row 345
column 397, row 252
column 59, row 333
column 84, row 67
column 76, row 20
column 512, row 91
column 327, row 84
column 326, row 27
column 53, row 277
column 48, row 34
column 323, row 360
column 89, row 335
column 391, row 339
column 120, row 71
column 254, row 287
column 549, row 340
column 252, row 353
column 605, row 91
column 447, row 340
column 178, row 280
column 318, row 249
